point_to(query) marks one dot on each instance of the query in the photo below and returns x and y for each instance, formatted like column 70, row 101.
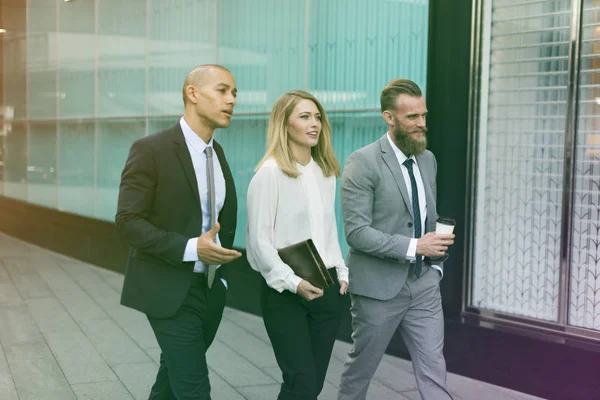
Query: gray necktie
column 212, row 203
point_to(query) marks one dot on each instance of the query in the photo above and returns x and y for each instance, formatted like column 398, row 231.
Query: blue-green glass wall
column 101, row 74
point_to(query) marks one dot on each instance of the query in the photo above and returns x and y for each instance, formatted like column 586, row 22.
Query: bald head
column 198, row 77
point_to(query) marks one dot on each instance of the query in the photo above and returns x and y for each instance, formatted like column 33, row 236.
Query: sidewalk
column 63, row 335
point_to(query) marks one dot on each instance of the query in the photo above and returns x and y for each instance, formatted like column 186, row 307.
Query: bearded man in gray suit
column 395, row 259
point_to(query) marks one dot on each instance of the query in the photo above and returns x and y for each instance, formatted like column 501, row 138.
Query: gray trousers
column 416, row 312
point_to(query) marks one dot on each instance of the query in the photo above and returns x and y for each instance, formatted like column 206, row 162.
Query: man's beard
column 407, row 143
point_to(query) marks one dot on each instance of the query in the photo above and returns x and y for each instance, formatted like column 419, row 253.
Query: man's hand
column 343, row 287
column 211, row 253
column 433, row 245
column 308, row 291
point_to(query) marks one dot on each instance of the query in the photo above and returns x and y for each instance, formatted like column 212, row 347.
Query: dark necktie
column 212, row 204
column 416, row 211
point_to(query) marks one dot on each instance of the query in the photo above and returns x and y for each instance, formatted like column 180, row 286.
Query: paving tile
column 7, row 385
column 18, row 266
column 249, row 322
column 4, row 275
column 329, row 392
column 78, row 358
column 377, row 391
column 219, row 389
column 103, row 294
column 36, row 373
column 233, row 368
column 248, row 345
column 260, row 392
column 113, row 344
column 9, row 295
column 395, row 378
column 31, row 286
column 275, row 373
column 80, row 305
column 51, row 316
column 414, row 395
column 58, row 280
column 340, row 350
column 138, row 378
column 397, row 362
column 28, row 350
column 334, row 371
column 136, row 325
column 18, row 326
column 116, row 282
column 101, row 391
column 80, row 272
column 154, row 354
column 470, row 389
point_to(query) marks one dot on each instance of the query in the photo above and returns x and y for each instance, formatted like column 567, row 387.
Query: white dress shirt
column 197, row 147
column 411, row 254
column 283, row 211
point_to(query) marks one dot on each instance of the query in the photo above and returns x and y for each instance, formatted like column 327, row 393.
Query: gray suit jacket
column 378, row 218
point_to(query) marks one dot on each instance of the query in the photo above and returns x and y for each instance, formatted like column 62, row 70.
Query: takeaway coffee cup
column 444, row 225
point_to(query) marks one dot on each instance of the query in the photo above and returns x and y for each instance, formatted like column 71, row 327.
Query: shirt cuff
column 342, row 273
column 191, row 250
column 440, row 270
column 292, row 283
column 411, row 254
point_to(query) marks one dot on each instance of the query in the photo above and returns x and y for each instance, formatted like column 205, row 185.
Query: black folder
column 304, row 259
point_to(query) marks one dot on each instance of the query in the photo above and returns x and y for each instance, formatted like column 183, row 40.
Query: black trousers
column 302, row 334
column 184, row 339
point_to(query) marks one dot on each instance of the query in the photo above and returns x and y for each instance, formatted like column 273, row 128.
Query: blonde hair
column 277, row 137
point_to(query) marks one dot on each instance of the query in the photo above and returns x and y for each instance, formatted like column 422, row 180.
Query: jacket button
column 410, row 224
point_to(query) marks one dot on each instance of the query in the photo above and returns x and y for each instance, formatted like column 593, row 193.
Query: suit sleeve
column 358, row 193
column 136, row 199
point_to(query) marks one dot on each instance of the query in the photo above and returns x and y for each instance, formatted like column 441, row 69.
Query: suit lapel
column 183, row 154
column 392, row 162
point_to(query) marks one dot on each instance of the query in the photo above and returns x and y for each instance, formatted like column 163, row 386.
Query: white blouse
column 283, row 211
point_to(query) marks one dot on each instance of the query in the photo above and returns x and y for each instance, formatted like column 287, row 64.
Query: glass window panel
column 14, row 59
column 584, row 298
column 15, row 161
column 244, row 145
column 77, row 58
column 42, row 94
column 76, row 167
column 182, row 36
column 41, row 169
column 354, row 51
column 521, row 151
column 122, row 68
column 114, row 140
column 264, row 50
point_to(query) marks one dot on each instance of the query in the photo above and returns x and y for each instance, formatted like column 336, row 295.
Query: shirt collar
column 399, row 154
column 193, row 139
column 303, row 168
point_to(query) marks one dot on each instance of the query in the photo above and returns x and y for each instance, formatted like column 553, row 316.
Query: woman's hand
column 307, row 291
column 343, row 287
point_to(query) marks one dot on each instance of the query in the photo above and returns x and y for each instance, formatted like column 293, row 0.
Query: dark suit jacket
column 158, row 212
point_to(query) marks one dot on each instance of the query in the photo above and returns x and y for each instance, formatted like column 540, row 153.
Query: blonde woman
column 291, row 199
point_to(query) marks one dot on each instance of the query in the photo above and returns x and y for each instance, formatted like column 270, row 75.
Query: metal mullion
column 519, row 4
column 525, row 17
column 554, row 29
column 529, row 89
column 529, row 46
column 526, row 60
column 532, row 103
column 529, row 75
column 566, row 236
